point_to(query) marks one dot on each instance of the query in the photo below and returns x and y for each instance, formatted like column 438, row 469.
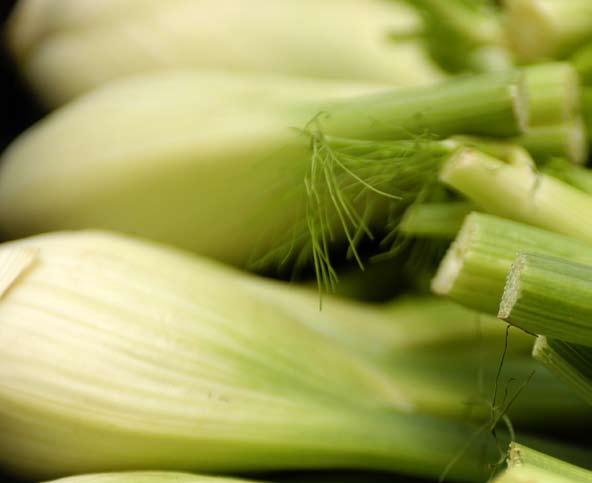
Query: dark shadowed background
column 18, row 107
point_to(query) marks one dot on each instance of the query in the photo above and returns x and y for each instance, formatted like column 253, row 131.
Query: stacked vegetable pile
column 386, row 150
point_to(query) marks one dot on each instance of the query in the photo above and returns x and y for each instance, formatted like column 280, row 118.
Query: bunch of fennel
column 255, row 171
column 119, row 354
column 279, row 171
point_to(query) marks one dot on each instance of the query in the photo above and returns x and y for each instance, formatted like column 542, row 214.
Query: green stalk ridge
column 435, row 220
column 582, row 61
column 571, row 363
column 554, row 93
column 487, row 104
column 549, row 296
column 568, row 140
column 520, row 193
column 474, row 270
column 576, row 176
column 505, row 150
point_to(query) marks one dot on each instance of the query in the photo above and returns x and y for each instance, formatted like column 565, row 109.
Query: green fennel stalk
column 582, row 61
column 576, row 176
column 258, row 171
column 519, row 192
column 474, row 272
column 549, row 296
column 571, row 363
column 526, row 465
column 413, row 337
column 554, row 93
column 475, row 268
column 435, row 220
column 568, row 140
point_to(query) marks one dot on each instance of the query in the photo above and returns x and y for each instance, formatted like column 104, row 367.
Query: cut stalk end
column 512, row 290
column 540, row 348
column 549, row 296
column 514, row 455
column 475, row 269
